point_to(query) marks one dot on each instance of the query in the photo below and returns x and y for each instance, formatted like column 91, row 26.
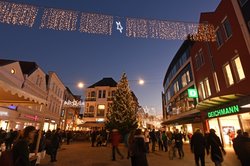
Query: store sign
column 35, row 118
column 224, row 111
column 192, row 93
column 2, row 113
column 73, row 103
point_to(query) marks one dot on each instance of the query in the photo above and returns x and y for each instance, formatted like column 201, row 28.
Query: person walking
column 165, row 141
column 55, row 142
column 153, row 139
column 179, row 143
column 138, row 157
column 214, row 143
column 159, row 140
column 241, row 145
column 198, row 147
column 21, row 148
column 115, row 141
column 93, row 136
column 147, row 140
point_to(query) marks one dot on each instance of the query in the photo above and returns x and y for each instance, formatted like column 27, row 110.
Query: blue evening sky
column 84, row 57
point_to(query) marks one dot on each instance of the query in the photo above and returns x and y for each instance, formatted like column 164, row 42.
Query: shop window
column 100, row 110
column 227, row 28
column 238, row 69
column 216, row 82
column 219, row 39
column 228, row 75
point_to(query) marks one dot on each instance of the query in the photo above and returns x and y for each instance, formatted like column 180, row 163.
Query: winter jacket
column 139, row 152
column 115, row 138
column 198, row 143
column 21, row 153
column 213, row 142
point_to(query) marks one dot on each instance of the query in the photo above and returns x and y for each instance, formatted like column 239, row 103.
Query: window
column 91, row 109
column 104, row 94
column 242, row 2
column 240, row 75
column 216, row 82
column 176, row 87
column 202, row 88
column 207, row 86
column 219, row 38
column 93, row 94
column 100, row 94
column 184, row 80
column 228, row 75
column 100, row 110
column 199, row 59
column 227, row 28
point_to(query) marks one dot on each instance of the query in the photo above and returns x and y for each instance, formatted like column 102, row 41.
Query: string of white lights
column 66, row 20
column 17, row 14
column 96, row 23
column 59, row 19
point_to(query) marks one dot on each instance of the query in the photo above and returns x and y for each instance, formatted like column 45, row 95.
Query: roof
column 105, row 82
column 26, row 67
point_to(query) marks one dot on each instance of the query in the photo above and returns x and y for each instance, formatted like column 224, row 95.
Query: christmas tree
column 122, row 114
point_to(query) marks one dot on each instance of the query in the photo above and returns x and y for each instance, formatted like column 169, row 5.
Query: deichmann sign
column 224, row 111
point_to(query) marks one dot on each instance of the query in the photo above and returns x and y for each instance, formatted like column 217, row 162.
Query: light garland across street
column 66, row 20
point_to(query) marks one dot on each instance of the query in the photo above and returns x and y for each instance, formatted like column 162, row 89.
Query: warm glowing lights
column 12, row 71
column 80, row 85
column 66, row 20
column 141, row 82
column 17, row 14
column 59, row 19
column 142, row 28
column 96, row 23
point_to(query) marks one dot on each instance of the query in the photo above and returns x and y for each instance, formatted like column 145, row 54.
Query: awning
column 10, row 93
column 217, row 101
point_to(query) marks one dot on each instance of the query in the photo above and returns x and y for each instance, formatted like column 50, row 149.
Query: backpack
column 6, row 158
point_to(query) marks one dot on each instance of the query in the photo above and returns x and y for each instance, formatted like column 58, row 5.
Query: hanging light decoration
column 17, row 14
column 141, row 28
column 96, row 23
column 58, row 19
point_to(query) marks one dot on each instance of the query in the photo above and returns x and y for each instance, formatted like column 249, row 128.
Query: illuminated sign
column 3, row 113
column 35, row 118
column 73, row 103
column 119, row 26
column 192, row 93
column 224, row 111
column 12, row 107
column 100, row 120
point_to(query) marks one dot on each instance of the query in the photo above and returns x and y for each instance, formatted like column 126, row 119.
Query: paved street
column 81, row 154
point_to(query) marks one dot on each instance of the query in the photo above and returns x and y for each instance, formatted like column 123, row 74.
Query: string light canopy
column 17, row 14
column 66, row 20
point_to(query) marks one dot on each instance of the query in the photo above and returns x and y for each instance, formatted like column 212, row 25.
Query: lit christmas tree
column 122, row 114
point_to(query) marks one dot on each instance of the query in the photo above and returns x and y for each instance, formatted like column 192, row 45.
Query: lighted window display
column 228, row 75
column 238, row 69
column 202, row 90
column 100, row 110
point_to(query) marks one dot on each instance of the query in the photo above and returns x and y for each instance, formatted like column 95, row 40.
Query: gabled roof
column 105, row 82
column 26, row 67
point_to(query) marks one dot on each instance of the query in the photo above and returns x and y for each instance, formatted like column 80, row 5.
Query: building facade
column 98, row 98
column 55, row 98
column 23, row 94
column 220, row 72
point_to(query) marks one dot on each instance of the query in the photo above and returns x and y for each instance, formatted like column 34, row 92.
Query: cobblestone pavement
column 81, row 154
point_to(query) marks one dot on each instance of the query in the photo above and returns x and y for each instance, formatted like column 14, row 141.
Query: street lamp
column 80, row 85
column 141, row 82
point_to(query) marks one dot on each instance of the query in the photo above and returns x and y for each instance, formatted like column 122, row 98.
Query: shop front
column 7, row 118
column 50, row 124
column 227, row 120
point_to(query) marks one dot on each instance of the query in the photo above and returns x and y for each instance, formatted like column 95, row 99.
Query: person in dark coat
column 138, row 150
column 69, row 136
column 153, row 139
column 241, row 146
column 21, row 148
column 55, row 142
column 179, row 143
column 93, row 136
column 214, row 143
column 198, row 146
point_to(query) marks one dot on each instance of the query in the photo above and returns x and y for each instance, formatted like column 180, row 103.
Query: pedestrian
column 9, row 139
column 153, row 139
column 241, row 146
column 55, row 142
column 147, row 140
column 159, row 140
column 138, row 157
column 69, row 136
column 21, row 148
column 115, row 141
column 214, row 143
column 165, row 141
column 179, row 143
column 130, row 141
column 198, row 146
column 93, row 136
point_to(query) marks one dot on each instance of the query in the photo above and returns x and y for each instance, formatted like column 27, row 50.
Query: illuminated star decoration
column 119, row 26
